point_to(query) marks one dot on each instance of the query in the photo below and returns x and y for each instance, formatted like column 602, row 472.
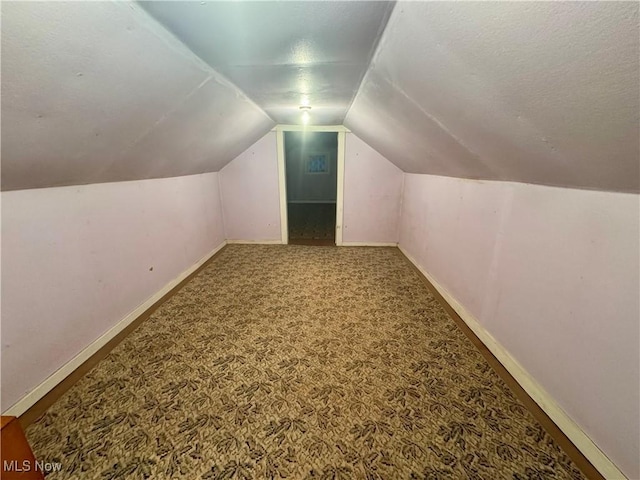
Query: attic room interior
column 465, row 304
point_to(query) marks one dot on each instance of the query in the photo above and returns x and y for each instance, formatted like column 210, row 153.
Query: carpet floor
column 297, row 362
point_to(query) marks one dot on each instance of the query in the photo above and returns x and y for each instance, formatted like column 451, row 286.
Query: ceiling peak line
column 442, row 126
column 143, row 18
column 372, row 54
column 175, row 43
column 164, row 116
column 249, row 45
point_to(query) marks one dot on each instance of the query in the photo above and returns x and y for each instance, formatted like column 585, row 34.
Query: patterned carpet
column 297, row 362
column 312, row 221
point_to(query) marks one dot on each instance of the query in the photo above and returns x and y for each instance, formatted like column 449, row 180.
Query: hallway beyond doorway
column 311, row 179
column 312, row 223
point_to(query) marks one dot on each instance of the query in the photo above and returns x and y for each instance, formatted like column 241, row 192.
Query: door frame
column 282, row 174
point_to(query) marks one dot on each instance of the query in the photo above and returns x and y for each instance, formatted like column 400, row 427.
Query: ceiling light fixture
column 305, row 113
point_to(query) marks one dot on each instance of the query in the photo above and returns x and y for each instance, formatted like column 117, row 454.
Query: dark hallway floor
column 312, row 223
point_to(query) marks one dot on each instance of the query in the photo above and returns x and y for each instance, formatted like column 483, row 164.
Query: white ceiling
column 537, row 92
column 283, row 54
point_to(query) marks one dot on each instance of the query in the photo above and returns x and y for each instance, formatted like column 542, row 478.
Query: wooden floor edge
column 582, row 462
column 41, row 406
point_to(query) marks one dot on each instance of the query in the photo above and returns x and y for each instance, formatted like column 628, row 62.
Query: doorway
column 311, row 168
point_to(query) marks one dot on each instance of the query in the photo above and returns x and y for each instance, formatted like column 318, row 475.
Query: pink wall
column 251, row 198
column 552, row 274
column 372, row 193
column 250, row 194
column 76, row 260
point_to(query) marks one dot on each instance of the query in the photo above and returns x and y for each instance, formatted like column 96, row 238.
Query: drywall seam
column 490, row 303
column 178, row 45
column 570, row 428
column 224, row 221
column 165, row 115
column 340, row 188
column 442, row 126
column 369, row 244
column 63, row 372
column 372, row 53
column 401, row 206
column 282, row 186
column 164, row 35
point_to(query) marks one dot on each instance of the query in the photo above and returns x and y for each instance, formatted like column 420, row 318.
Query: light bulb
column 305, row 113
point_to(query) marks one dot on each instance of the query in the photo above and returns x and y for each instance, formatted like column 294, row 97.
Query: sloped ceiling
column 283, row 54
column 536, row 92
column 98, row 92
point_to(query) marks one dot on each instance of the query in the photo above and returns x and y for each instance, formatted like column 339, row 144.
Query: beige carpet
column 297, row 362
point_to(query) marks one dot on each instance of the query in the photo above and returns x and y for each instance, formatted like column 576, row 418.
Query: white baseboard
column 570, row 428
column 368, row 244
column 255, row 242
column 63, row 372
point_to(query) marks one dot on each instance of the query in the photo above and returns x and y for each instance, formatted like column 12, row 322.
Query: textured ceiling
column 536, row 92
column 283, row 54
column 98, row 92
